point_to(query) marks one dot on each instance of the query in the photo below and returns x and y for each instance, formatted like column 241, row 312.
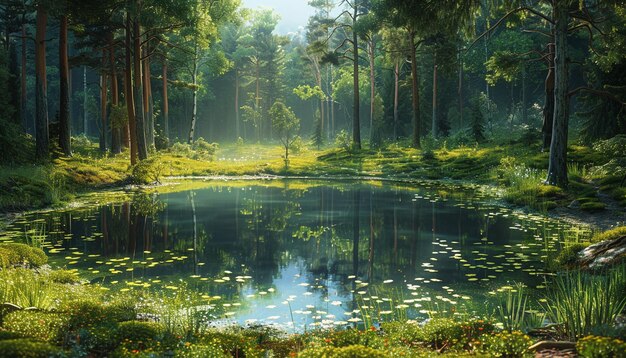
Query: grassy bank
column 53, row 312
column 518, row 168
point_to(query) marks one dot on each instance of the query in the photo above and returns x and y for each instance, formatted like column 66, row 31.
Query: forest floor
column 518, row 169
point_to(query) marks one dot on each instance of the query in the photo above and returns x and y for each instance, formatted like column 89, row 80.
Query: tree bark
column 116, row 140
column 557, row 169
column 396, row 116
column 237, row 134
column 460, row 90
column 147, row 98
column 128, row 92
column 166, row 104
column 548, row 108
column 64, row 89
column 42, row 136
column 142, row 149
column 85, row 116
column 23, row 77
column 194, row 98
column 434, row 124
column 103, row 104
column 372, row 58
column 415, row 92
column 356, row 121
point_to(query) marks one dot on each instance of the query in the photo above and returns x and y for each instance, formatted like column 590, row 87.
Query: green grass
column 518, row 168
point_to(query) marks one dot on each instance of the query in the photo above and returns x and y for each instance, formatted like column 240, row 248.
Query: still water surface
column 306, row 253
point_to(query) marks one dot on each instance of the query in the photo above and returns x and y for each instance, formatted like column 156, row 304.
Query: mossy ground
column 518, row 168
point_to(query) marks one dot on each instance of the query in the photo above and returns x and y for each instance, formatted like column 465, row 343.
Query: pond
column 302, row 254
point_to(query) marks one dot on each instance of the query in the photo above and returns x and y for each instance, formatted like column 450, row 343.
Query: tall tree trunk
column 142, row 149
column 148, row 104
column 548, row 108
column 372, row 58
column 396, row 97
column 166, row 104
column 237, row 130
column 332, row 102
column 434, row 124
column 415, row 92
column 356, row 121
column 194, row 99
column 116, row 140
column 42, row 136
column 103, row 104
column 460, row 90
column 128, row 94
column 557, row 169
column 524, row 104
column 64, row 89
column 23, row 78
column 85, row 116
column 257, row 98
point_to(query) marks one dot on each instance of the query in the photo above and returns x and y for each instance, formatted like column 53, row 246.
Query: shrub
column 601, row 347
column 39, row 325
column 343, row 352
column 25, row 288
column 350, row 337
column 610, row 234
column 582, row 301
column 342, row 140
column 140, row 335
column 13, row 254
column 147, row 171
column 82, row 141
column 87, row 314
column 442, row 334
column 201, row 351
column 505, row 344
column 99, row 339
column 204, row 150
column 25, row 348
column 402, row 332
column 568, row 257
column 64, row 276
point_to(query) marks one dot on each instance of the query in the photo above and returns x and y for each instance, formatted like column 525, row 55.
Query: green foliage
column 569, row 255
column 477, row 120
column 26, row 348
column 306, row 92
column 25, row 288
column 15, row 146
column 342, row 140
column 88, row 314
column 512, row 308
column 199, row 150
column 137, row 335
column 286, row 125
column 506, row 344
column 581, row 301
column 64, row 276
column 354, row 351
column 14, row 254
column 147, row 171
column 612, row 234
column 118, row 116
column 201, row 351
column 40, row 325
column 600, row 347
column 443, row 334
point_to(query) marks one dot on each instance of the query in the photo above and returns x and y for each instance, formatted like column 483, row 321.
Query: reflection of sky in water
column 264, row 246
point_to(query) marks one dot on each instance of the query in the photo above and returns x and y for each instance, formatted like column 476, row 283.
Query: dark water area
column 304, row 253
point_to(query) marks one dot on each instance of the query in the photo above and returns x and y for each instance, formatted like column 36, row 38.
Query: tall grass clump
column 25, row 288
column 525, row 186
column 581, row 302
